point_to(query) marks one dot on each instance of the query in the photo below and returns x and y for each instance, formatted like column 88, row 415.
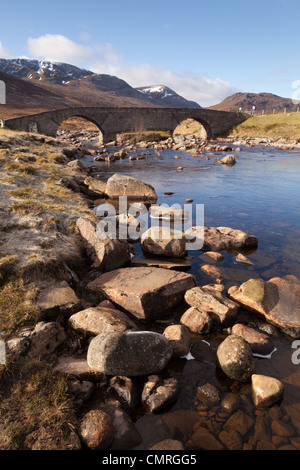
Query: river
column 260, row 194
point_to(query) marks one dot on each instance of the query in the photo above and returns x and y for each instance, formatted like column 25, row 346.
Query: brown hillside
column 266, row 102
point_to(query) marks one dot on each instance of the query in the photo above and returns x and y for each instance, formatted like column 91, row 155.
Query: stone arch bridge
column 112, row 121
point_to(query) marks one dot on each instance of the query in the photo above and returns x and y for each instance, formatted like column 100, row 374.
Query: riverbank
column 42, row 196
column 273, row 127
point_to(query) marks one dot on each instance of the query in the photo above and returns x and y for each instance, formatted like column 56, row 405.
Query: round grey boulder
column 129, row 354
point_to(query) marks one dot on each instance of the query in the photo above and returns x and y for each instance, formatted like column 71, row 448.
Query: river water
column 260, row 195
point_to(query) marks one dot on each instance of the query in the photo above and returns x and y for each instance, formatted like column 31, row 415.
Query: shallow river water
column 260, row 195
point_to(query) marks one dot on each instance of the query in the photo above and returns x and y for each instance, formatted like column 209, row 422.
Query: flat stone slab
column 221, row 309
column 147, row 293
column 77, row 366
column 278, row 300
column 97, row 320
column 221, row 238
column 156, row 263
column 58, row 299
column 171, row 214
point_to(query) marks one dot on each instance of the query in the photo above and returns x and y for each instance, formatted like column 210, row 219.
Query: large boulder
column 124, row 185
column 221, row 309
column 106, row 254
column 236, row 359
column 278, row 300
column 129, row 354
column 164, row 241
column 221, row 238
column 147, row 293
column 97, row 320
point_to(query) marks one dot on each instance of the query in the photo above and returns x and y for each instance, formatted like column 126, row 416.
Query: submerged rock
column 147, row 293
column 129, row 354
column 208, row 395
column 158, row 394
column 167, row 444
column 278, row 300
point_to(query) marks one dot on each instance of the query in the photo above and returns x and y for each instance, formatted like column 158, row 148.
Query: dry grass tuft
column 37, row 413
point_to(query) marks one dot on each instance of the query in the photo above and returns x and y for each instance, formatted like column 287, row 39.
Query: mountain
column 263, row 102
column 23, row 97
column 52, row 85
column 167, row 97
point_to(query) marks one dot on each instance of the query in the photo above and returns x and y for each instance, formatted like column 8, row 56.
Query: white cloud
column 58, row 48
column 196, row 87
column 5, row 53
column 106, row 60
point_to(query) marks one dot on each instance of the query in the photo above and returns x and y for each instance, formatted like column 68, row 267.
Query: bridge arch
column 192, row 125
column 79, row 123
column 195, row 127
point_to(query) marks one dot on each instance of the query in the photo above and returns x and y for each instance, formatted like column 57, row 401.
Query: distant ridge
column 266, row 102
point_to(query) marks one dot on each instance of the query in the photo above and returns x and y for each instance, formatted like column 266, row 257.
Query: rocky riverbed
column 158, row 356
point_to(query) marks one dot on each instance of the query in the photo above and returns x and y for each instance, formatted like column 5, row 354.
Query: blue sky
column 204, row 50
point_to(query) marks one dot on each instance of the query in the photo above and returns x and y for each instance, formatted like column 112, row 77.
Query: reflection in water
column 259, row 195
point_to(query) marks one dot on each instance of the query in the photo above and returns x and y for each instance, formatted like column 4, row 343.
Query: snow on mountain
column 168, row 96
column 85, row 85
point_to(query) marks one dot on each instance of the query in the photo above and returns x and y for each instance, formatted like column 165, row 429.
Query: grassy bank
column 273, row 126
column 38, row 211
